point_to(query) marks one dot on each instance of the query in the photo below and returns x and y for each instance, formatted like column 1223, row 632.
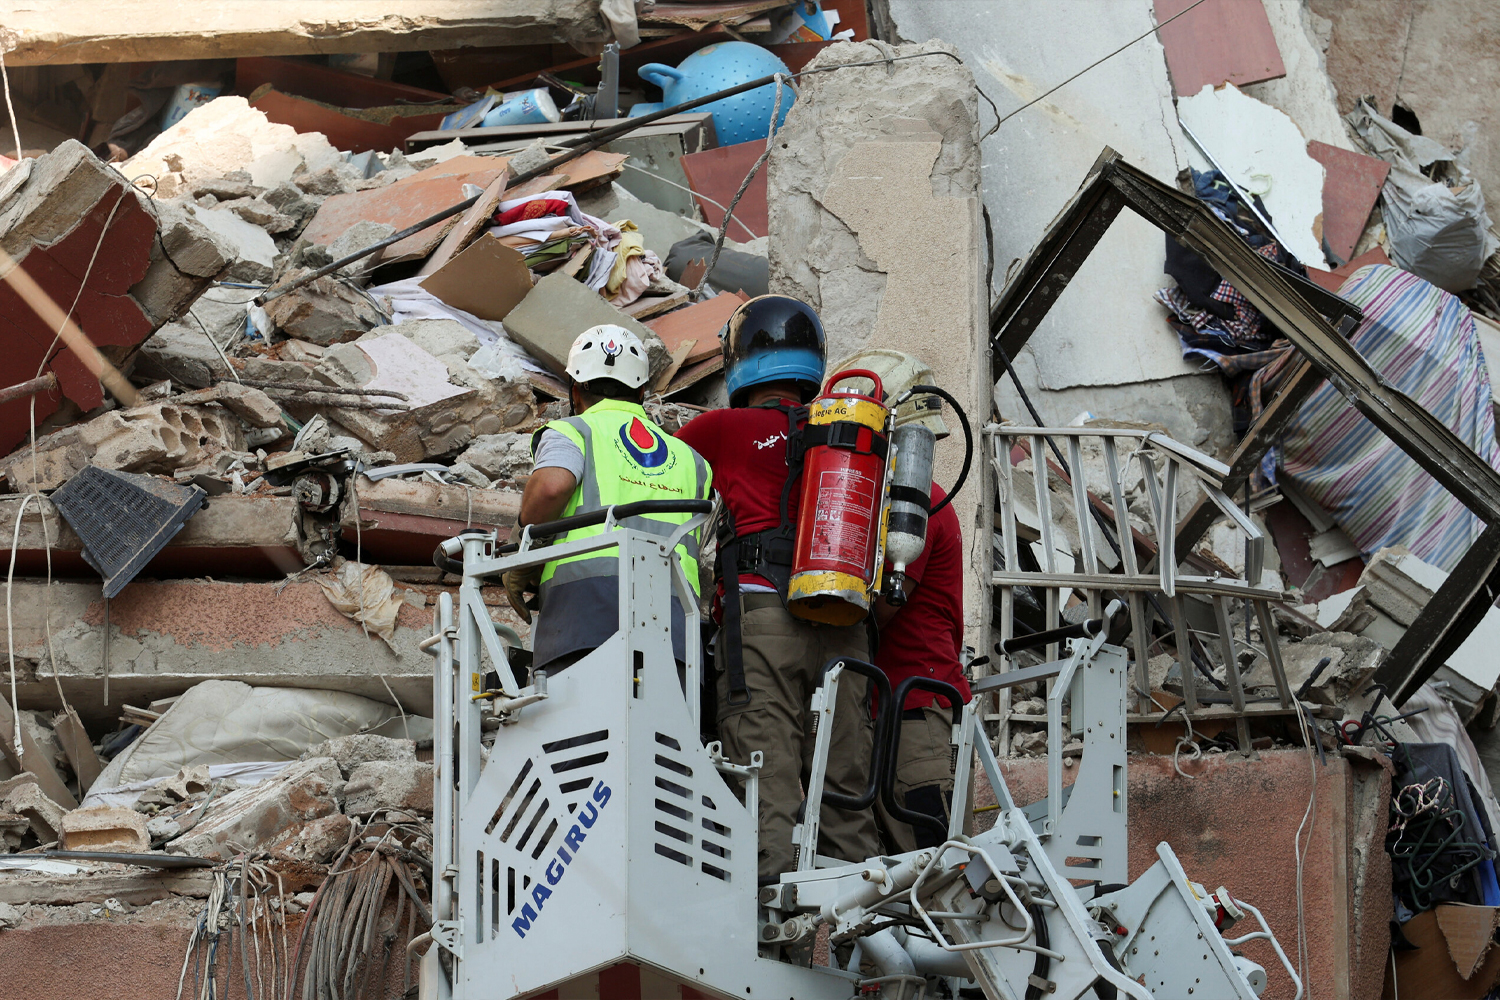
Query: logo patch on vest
column 647, row 449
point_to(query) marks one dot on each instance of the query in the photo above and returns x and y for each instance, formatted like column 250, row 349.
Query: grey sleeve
column 555, row 451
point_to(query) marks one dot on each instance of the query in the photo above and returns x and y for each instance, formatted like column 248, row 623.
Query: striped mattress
column 1422, row 340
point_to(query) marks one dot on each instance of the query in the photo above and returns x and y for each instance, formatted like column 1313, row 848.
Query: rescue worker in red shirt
column 773, row 352
column 924, row 636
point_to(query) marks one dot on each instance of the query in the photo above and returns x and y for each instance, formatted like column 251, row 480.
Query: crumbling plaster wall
column 1104, row 347
column 1436, row 57
column 872, row 187
column 164, row 637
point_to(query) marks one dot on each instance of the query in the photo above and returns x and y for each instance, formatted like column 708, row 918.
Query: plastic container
column 185, row 98
column 742, row 118
column 528, row 107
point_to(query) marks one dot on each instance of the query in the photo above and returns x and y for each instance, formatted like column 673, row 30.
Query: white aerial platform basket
column 599, row 832
column 600, row 829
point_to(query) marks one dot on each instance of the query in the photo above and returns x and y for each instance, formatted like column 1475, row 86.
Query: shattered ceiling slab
column 66, row 32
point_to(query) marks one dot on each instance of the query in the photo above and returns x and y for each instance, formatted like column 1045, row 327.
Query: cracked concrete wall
column 1105, row 345
column 1438, row 59
column 874, row 218
column 164, row 637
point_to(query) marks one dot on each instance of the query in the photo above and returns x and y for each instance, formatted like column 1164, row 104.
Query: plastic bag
column 1438, row 227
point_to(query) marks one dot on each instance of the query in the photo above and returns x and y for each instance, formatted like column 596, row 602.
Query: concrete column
column 873, row 187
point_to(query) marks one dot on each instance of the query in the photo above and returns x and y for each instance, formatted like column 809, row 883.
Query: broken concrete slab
column 240, row 241
column 1353, row 658
column 166, row 637
column 505, row 458
column 402, row 522
column 389, row 784
column 266, row 813
column 558, row 309
column 349, row 752
column 78, row 31
column 873, row 180
column 316, row 842
column 438, row 337
column 249, row 404
column 257, row 535
column 324, row 311
column 105, row 828
column 63, row 210
column 155, row 438
column 448, row 404
column 44, row 815
column 358, row 236
column 226, row 135
column 13, row 830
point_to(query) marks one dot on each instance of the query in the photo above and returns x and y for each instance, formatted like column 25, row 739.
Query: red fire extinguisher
column 841, row 522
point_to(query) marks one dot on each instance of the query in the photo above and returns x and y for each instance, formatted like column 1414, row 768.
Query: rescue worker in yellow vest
column 609, row 453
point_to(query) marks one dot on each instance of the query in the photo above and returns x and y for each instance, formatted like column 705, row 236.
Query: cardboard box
column 488, row 279
column 1454, row 958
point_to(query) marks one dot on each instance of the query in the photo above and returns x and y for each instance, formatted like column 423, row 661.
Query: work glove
column 517, row 583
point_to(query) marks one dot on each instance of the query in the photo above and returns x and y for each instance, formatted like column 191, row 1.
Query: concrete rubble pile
column 227, row 460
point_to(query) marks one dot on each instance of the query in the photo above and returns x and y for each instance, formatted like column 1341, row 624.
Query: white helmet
column 609, row 351
column 898, row 372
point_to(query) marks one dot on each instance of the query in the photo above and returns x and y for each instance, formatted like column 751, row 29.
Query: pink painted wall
column 1234, row 824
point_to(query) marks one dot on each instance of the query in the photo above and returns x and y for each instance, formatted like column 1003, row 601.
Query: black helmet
column 773, row 338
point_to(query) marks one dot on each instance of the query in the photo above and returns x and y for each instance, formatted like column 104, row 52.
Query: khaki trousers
column 783, row 656
column 924, row 780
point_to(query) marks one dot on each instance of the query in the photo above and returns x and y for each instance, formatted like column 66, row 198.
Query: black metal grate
column 124, row 519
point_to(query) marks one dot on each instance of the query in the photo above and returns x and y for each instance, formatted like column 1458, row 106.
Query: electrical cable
column 10, row 639
column 1052, row 90
column 771, row 133
column 1309, row 733
column 9, row 107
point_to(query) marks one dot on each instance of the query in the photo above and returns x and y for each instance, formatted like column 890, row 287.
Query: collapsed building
column 285, row 311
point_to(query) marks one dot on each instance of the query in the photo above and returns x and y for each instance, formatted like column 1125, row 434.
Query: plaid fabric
column 1246, row 331
column 1422, row 341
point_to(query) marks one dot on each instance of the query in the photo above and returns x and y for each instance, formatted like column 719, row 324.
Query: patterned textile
column 1422, row 341
column 1247, row 331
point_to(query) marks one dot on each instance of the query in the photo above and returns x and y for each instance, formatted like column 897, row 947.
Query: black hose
column 963, row 420
column 1043, row 964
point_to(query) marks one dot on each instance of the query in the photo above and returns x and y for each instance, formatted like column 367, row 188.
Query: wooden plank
column 1220, row 41
column 405, row 202
column 716, row 174
column 557, row 131
column 469, row 224
column 652, row 305
column 693, row 374
column 1351, row 186
column 47, row 778
column 700, row 322
column 80, row 750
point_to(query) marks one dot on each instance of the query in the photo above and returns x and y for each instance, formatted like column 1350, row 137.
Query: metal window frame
column 1318, row 324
